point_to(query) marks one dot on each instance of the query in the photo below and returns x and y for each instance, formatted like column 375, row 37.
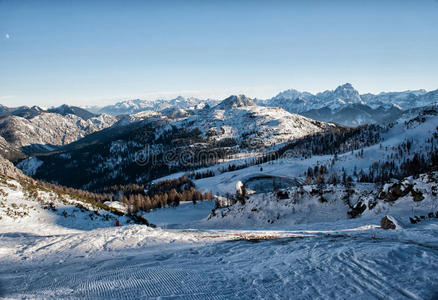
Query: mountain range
column 110, row 156
column 302, row 184
column 137, row 105
column 33, row 129
column 28, row 130
column 346, row 106
column 343, row 105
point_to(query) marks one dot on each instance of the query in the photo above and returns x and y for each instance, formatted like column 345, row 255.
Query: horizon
column 209, row 98
column 86, row 54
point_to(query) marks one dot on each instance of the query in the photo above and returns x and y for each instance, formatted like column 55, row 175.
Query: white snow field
column 44, row 255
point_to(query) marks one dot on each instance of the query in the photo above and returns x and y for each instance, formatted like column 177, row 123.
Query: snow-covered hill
column 9, row 170
column 21, row 111
column 403, row 147
column 24, row 206
column 236, row 124
column 240, row 118
column 293, row 235
column 46, row 130
column 312, row 204
column 68, row 253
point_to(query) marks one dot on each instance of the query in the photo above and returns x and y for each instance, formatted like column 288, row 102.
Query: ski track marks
column 322, row 266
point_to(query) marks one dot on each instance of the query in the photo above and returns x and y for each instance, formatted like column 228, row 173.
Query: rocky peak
column 236, row 101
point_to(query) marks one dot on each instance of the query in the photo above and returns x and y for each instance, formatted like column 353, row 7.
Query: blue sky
column 97, row 52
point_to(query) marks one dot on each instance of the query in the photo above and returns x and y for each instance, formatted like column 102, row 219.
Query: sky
column 99, row 52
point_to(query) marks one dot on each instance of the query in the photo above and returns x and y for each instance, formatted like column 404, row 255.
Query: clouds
column 7, row 36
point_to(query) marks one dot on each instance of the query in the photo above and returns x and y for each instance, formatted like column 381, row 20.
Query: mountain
column 137, row 105
column 72, row 110
column 346, row 106
column 30, row 112
column 366, row 170
column 46, row 131
column 404, row 100
column 234, row 102
column 149, row 145
column 21, row 111
column 314, row 223
column 355, row 114
column 10, row 152
column 241, row 119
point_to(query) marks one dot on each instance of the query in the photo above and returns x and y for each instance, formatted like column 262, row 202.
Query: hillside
column 47, row 131
column 72, row 110
column 68, row 253
column 148, row 145
column 240, row 119
column 368, row 154
column 307, row 204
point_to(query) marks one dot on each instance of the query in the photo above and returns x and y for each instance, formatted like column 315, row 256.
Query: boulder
column 398, row 190
column 388, row 223
column 357, row 210
column 417, row 195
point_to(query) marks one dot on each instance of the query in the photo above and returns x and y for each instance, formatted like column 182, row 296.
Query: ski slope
column 41, row 257
column 135, row 262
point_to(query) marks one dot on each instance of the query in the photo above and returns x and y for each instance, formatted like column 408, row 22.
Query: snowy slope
column 294, row 167
column 41, row 257
column 25, row 207
column 238, row 117
column 50, row 129
column 306, row 205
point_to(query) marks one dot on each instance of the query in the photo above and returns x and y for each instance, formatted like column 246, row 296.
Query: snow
column 299, row 102
column 138, row 105
column 398, row 224
column 299, row 247
column 293, row 168
column 43, row 258
column 250, row 123
column 185, row 215
column 304, row 206
column 51, row 129
column 30, row 165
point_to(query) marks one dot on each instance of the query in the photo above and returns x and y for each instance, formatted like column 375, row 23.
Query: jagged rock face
column 50, row 129
column 346, row 106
